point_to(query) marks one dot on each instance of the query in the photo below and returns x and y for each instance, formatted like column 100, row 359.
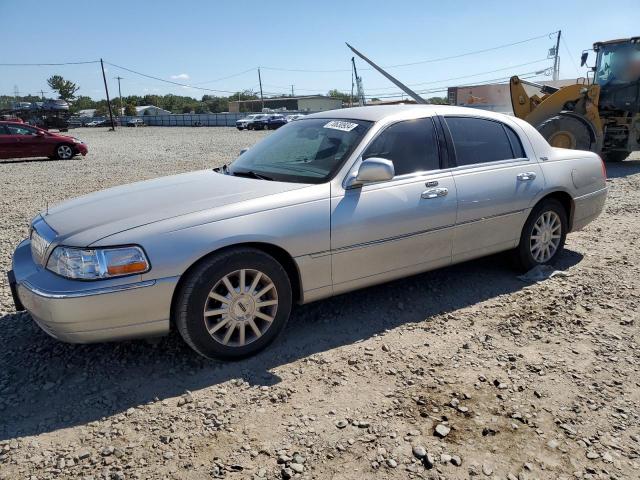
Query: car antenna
column 391, row 78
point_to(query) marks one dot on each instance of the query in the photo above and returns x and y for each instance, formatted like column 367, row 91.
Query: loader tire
column 615, row 156
column 566, row 132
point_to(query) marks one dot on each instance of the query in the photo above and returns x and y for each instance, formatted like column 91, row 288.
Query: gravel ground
column 465, row 371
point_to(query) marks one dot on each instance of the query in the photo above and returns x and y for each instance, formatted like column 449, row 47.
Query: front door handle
column 526, row 176
column 434, row 193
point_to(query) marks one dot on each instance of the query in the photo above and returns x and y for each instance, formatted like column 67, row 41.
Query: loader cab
column 617, row 71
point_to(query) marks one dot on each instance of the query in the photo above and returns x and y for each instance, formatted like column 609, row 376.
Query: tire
column 240, row 128
column 615, row 155
column 566, row 132
column 205, row 285
column 64, row 151
column 526, row 255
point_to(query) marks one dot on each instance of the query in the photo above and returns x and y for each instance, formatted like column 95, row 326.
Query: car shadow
column 46, row 385
column 622, row 169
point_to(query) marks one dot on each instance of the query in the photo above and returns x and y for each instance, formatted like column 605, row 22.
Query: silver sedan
column 327, row 204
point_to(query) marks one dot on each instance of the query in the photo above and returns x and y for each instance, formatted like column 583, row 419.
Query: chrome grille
column 39, row 247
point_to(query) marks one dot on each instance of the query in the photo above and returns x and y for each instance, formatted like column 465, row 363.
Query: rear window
column 477, row 141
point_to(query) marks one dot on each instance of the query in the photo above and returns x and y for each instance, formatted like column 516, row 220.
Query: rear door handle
column 526, row 176
column 435, row 193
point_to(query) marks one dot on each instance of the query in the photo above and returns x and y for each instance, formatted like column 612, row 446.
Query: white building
column 151, row 110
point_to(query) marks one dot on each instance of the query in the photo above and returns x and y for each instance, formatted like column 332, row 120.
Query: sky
column 219, row 45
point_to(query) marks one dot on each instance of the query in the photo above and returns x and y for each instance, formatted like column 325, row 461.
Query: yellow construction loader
column 600, row 113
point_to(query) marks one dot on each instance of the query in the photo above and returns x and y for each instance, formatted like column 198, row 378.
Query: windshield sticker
column 344, row 126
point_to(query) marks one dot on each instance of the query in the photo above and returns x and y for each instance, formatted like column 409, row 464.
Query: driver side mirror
column 40, row 133
column 372, row 170
column 583, row 58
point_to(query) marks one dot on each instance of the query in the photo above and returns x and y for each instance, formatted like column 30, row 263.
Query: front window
column 305, row 151
column 618, row 64
column 20, row 130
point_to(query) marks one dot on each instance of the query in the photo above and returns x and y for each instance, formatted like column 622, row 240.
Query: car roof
column 375, row 113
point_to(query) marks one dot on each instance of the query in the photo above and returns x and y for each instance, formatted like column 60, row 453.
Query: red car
column 18, row 140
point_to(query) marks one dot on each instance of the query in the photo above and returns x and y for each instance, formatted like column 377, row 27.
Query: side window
column 15, row 130
column 3, row 130
column 411, row 145
column 516, row 144
column 479, row 141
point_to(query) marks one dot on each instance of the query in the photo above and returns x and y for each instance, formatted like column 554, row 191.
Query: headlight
column 97, row 263
column 76, row 140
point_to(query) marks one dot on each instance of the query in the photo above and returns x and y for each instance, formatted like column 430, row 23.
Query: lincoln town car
column 330, row 203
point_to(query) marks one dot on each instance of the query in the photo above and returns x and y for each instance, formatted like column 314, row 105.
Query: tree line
column 66, row 90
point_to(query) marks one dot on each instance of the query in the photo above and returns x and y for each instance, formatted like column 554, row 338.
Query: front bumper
column 84, row 312
column 81, row 149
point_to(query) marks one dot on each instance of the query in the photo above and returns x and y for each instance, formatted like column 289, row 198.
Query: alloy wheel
column 65, row 152
column 240, row 307
column 545, row 236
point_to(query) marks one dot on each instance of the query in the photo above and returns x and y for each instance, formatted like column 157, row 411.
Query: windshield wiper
column 250, row 174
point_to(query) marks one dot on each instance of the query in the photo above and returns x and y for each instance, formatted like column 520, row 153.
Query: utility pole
column 106, row 89
column 353, row 61
column 292, row 94
column 42, row 95
column 120, row 94
column 261, row 97
column 556, row 59
column 361, row 101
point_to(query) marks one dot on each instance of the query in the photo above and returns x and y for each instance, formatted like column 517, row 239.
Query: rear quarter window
column 478, row 141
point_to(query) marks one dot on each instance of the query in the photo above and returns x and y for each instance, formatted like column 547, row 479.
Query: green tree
column 335, row 93
column 130, row 110
column 66, row 88
column 438, row 100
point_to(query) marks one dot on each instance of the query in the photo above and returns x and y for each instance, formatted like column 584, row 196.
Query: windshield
column 618, row 64
column 305, row 151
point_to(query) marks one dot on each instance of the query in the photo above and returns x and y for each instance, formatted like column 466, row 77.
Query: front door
column 391, row 229
column 27, row 143
column 496, row 180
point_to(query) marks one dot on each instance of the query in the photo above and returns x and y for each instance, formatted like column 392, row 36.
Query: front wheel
column 542, row 238
column 64, row 152
column 234, row 304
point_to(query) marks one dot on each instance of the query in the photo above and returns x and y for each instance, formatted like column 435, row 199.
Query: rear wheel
column 615, row 155
column 234, row 304
column 64, row 152
column 543, row 236
column 566, row 132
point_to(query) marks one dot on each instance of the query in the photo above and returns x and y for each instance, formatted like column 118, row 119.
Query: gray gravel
column 532, row 380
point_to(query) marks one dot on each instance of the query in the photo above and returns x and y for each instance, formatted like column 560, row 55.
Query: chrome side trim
column 412, row 234
column 86, row 293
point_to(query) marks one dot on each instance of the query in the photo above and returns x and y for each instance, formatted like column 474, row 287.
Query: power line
column 168, row 81
column 46, row 64
column 420, row 62
column 227, row 77
column 466, row 76
column 444, row 88
column 575, row 65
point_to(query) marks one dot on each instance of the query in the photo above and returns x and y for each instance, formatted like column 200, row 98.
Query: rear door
column 388, row 229
column 496, row 180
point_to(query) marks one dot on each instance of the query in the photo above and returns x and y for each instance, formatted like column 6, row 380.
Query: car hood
column 85, row 220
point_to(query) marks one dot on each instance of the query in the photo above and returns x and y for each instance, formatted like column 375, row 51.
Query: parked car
column 134, row 122
column 55, row 104
column 268, row 122
column 93, row 123
column 19, row 140
column 243, row 122
column 327, row 204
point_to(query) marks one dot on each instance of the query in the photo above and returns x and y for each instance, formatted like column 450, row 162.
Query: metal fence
column 178, row 120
